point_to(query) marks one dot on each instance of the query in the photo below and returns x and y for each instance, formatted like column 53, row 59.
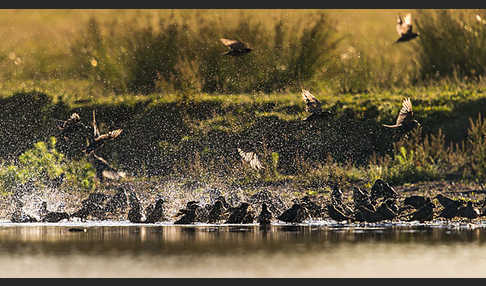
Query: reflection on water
column 241, row 251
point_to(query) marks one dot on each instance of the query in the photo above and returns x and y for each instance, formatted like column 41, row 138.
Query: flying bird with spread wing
column 404, row 28
column 405, row 119
column 103, row 169
column 312, row 105
column 236, row 48
column 98, row 139
column 250, row 158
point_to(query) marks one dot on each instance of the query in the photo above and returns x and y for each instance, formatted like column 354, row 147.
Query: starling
column 415, row 201
column 361, row 198
column 192, row 213
column 19, row 216
column 405, row 119
column 425, row 212
column 103, row 169
column 387, row 210
column 404, row 28
column 92, row 206
column 313, row 209
column 236, row 48
column 296, row 214
column 241, row 214
column 366, row 213
column 449, row 203
column 265, row 216
column 157, row 212
column 448, row 213
column 381, row 189
column 468, row 211
column 250, row 158
column 216, row 212
column 55, row 216
column 135, row 212
column 119, row 201
column 98, row 140
column 336, row 214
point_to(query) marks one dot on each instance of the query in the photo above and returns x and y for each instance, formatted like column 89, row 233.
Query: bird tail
column 390, row 126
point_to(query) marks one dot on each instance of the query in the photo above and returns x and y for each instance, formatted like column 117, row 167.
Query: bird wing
column 110, row 135
column 404, row 25
column 233, row 44
column 312, row 104
column 96, row 132
column 406, row 112
column 250, row 158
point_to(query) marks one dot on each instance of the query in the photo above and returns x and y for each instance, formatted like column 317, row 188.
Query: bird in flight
column 405, row 119
column 98, row 139
column 250, row 158
column 404, row 28
column 236, row 48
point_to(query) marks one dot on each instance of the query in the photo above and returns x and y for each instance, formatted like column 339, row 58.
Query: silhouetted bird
column 250, row 158
column 236, row 48
column 119, row 201
column 47, row 216
column 336, row 214
column 313, row 209
column 241, row 214
column 92, row 206
column 381, row 189
column 192, row 213
column 217, row 212
column 468, row 211
column 405, row 119
column 449, row 203
column 449, row 213
column 338, row 203
column 19, row 216
column 296, row 214
column 361, row 198
column 404, row 28
column 387, row 210
column 425, row 212
column 98, row 140
column 103, row 169
column 135, row 212
column 157, row 213
column 265, row 216
column 366, row 213
column 415, row 201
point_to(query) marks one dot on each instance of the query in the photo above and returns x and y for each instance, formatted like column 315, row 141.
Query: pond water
column 313, row 250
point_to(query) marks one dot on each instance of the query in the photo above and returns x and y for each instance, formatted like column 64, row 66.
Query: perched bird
column 404, row 28
column 336, row 214
column 157, row 212
column 103, row 169
column 250, row 158
column 98, row 140
column 468, row 211
column 415, row 201
column 236, row 48
column 425, row 212
column 405, row 119
column 265, row 216
column 241, row 214
column 296, row 214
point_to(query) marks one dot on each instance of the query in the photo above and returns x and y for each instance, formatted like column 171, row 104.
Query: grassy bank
column 195, row 136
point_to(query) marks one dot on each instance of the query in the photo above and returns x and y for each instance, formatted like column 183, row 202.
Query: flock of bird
column 380, row 204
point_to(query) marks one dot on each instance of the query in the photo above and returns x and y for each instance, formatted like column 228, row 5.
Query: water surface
column 165, row 250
